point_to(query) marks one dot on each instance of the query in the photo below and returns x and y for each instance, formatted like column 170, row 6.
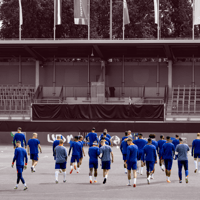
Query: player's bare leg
column 138, row 167
column 78, row 167
column 134, row 178
column 64, row 175
column 125, row 167
column 90, row 175
column 71, row 166
column 129, row 178
column 95, row 175
column 105, row 175
column 142, row 167
column 161, row 163
column 196, row 165
column 152, row 173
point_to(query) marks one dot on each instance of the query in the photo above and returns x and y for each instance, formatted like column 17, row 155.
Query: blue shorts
column 124, row 157
column 20, row 168
column 140, row 155
column 73, row 158
column 34, row 156
column 168, row 164
column 160, row 154
column 196, row 155
column 131, row 165
column 105, row 165
column 150, row 165
column 60, row 165
column 93, row 164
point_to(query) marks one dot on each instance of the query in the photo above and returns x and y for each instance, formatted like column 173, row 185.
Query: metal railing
column 61, row 97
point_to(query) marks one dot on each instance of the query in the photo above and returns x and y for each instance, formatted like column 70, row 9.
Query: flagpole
column 110, row 19
column 54, row 29
column 20, row 10
column 193, row 19
column 88, row 19
column 158, row 37
column 123, row 20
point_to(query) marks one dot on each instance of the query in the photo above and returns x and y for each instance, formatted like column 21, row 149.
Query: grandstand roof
column 41, row 49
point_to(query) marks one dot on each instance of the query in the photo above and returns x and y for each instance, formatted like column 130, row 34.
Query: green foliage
column 38, row 19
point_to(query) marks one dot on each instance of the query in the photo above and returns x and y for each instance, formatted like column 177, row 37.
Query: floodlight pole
column 88, row 19
column 193, row 19
column 123, row 20
column 158, row 31
column 54, row 29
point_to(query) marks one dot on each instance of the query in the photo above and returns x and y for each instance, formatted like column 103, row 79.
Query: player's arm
column 13, row 161
column 155, row 155
column 121, row 148
column 26, row 161
column 127, row 154
column 28, row 150
column 66, row 154
column 14, row 142
column 112, row 155
column 192, row 152
column 39, row 146
column 25, row 141
column 83, row 151
column 69, row 150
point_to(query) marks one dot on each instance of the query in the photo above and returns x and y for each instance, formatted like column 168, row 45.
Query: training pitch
column 41, row 184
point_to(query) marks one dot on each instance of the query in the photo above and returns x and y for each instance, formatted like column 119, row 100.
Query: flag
column 125, row 13
column 156, row 11
column 20, row 13
column 58, row 12
column 81, row 12
column 196, row 11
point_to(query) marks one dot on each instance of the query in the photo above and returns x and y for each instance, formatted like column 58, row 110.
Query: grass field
column 41, row 184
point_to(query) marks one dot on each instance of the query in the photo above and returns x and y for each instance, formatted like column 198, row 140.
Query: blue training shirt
column 77, row 149
column 175, row 142
column 132, row 153
column 33, row 145
column 155, row 143
column 168, row 151
column 107, row 135
column 61, row 154
column 123, row 138
column 93, row 153
column 123, row 147
column 19, row 137
column 92, row 137
column 149, row 153
column 196, row 146
column 182, row 150
column 106, row 142
column 140, row 144
column 55, row 144
column 160, row 144
column 19, row 156
column 105, row 151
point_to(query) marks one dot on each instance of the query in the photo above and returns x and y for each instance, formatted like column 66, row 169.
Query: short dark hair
column 104, row 133
column 152, row 136
column 126, row 133
column 61, row 142
column 149, row 140
column 177, row 135
column 167, row 137
column 80, row 136
column 129, row 139
column 140, row 134
column 19, row 128
column 93, row 129
column 18, row 142
column 103, row 138
column 161, row 136
column 180, row 139
column 76, row 137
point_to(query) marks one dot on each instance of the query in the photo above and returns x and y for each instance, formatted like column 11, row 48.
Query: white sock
column 141, row 170
column 129, row 181
column 64, row 176
column 78, row 169
column 134, row 181
column 56, row 175
column 198, row 165
column 168, row 178
column 71, row 166
column 24, row 184
column 106, row 176
column 90, row 178
column 17, row 185
column 163, row 166
column 195, row 164
column 125, row 170
column 95, row 178
column 151, row 175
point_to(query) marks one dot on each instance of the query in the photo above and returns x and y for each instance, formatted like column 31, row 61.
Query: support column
column 54, row 77
column 170, row 77
column 88, row 82
column 193, row 72
column 37, row 74
column 123, row 76
column 158, row 78
column 20, row 71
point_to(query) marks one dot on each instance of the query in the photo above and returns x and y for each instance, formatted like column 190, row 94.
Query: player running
column 150, row 157
column 19, row 136
column 181, row 150
column 61, row 160
column 126, row 136
column 76, row 152
column 160, row 144
column 140, row 142
column 132, row 155
column 93, row 153
column 168, row 152
column 32, row 149
column 107, row 136
column 196, row 153
column 20, row 155
column 155, row 143
column 55, row 144
column 92, row 136
column 105, row 152
column 123, row 148
column 175, row 142
column 80, row 140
